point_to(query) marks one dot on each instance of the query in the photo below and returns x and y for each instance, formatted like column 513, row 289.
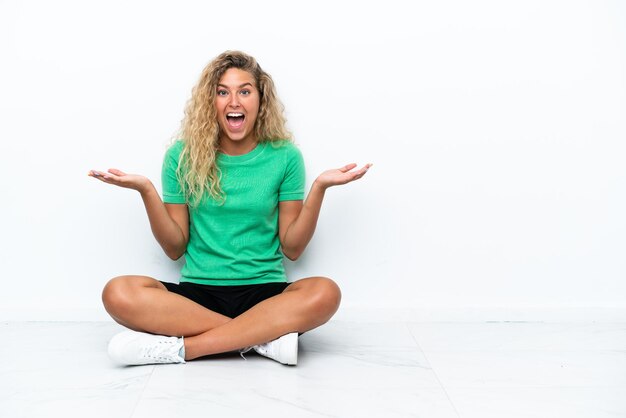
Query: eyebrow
column 241, row 86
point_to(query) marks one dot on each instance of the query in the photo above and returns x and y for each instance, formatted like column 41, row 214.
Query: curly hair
column 198, row 172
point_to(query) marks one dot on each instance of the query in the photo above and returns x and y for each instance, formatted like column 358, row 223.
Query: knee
column 116, row 295
column 327, row 296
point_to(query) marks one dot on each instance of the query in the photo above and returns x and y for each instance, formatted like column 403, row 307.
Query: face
column 237, row 103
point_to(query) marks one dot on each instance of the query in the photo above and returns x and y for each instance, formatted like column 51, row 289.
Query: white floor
column 346, row 369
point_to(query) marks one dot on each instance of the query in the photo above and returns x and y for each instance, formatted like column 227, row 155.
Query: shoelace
column 244, row 351
column 261, row 349
column 157, row 350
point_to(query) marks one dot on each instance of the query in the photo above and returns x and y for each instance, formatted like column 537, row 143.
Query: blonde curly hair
column 198, row 172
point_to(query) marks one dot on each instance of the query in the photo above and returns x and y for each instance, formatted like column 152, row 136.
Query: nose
column 234, row 101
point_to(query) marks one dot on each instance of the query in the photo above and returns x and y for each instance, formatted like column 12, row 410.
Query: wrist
column 146, row 189
column 318, row 186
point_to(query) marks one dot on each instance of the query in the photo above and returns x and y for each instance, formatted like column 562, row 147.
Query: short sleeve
column 292, row 187
column 172, row 190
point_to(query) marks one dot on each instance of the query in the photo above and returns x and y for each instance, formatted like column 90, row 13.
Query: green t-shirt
column 236, row 242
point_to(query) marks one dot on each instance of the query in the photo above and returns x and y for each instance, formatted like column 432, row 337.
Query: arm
column 169, row 222
column 297, row 221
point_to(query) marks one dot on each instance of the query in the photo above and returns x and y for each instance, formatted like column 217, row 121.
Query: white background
column 496, row 130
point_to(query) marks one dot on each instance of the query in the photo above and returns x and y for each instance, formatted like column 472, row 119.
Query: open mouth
column 235, row 120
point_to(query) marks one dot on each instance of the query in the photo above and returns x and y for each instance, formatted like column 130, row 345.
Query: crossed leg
column 143, row 304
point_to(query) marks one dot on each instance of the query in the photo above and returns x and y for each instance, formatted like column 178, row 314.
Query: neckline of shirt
column 243, row 158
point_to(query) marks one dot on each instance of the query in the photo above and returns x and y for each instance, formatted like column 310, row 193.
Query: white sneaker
column 284, row 349
column 135, row 348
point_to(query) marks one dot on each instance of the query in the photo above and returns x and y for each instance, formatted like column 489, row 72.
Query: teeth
column 234, row 115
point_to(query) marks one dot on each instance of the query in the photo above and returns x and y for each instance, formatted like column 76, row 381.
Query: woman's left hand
column 341, row 175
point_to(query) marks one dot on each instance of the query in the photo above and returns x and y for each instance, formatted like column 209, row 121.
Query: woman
column 233, row 190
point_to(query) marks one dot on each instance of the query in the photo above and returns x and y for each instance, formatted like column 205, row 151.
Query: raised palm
column 343, row 175
column 121, row 179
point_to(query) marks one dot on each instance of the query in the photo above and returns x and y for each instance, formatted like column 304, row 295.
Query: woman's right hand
column 121, row 179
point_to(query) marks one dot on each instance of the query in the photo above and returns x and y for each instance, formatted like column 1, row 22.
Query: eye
column 245, row 92
column 222, row 92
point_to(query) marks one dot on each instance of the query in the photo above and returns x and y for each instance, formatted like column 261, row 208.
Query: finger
column 359, row 174
column 103, row 175
column 116, row 172
column 363, row 170
column 347, row 168
column 99, row 176
column 96, row 174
